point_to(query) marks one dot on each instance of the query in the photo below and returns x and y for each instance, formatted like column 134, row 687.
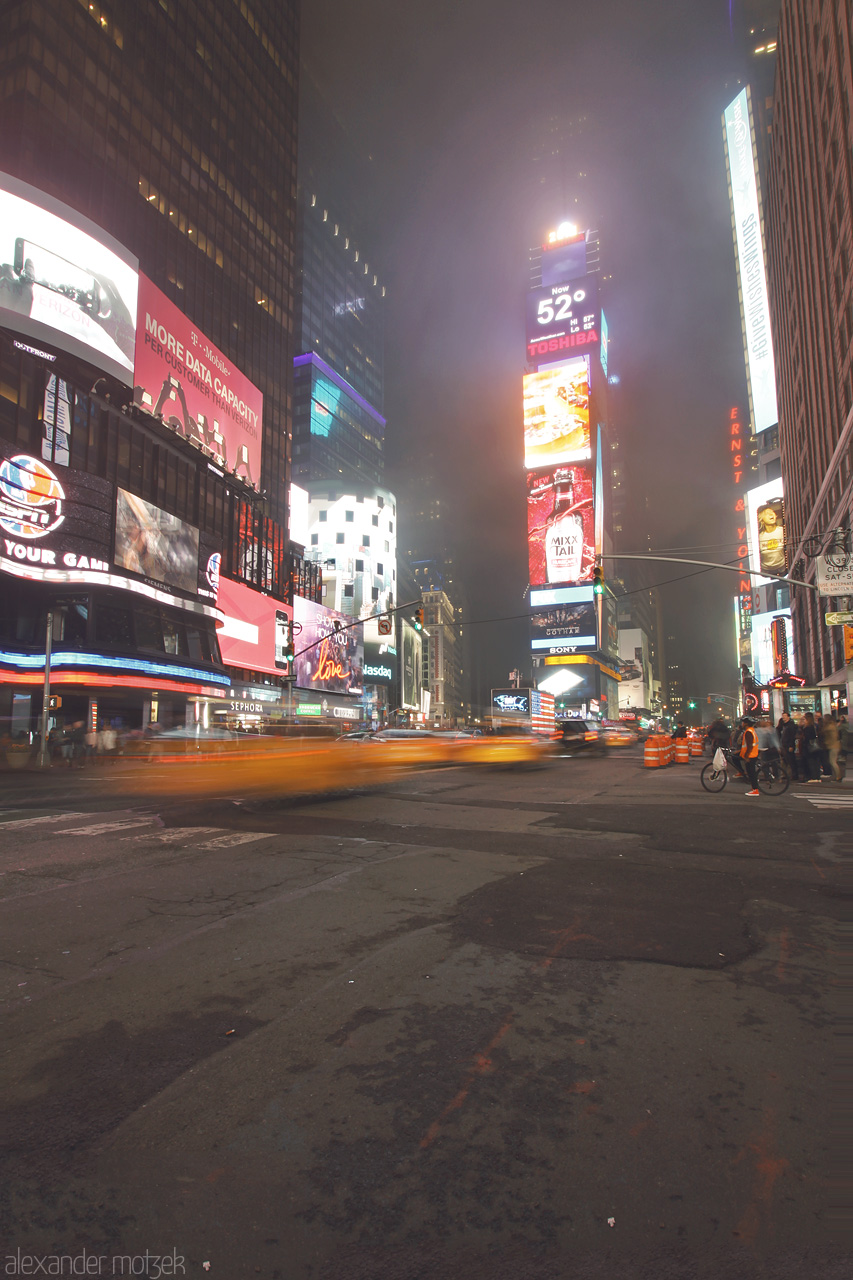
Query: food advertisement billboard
column 564, row 627
column 556, row 414
column 765, row 530
column 562, row 319
column 181, row 376
column 332, row 659
column 561, row 525
column 749, row 251
column 155, row 544
column 65, row 281
column 253, row 631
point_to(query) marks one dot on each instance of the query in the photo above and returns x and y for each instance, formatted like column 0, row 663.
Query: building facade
column 149, row 214
column 810, row 252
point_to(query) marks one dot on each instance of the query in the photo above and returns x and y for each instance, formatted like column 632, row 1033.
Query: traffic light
column 598, row 581
column 288, row 647
column 692, row 706
column 419, row 619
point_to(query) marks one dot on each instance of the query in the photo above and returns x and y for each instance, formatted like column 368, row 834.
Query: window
column 339, row 537
column 375, row 521
column 375, row 594
column 323, row 516
column 315, row 539
column 113, row 627
column 349, row 516
column 348, row 591
column 380, row 569
column 359, row 566
column 365, row 540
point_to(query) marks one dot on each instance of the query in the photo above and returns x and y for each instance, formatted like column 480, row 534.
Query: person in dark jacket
column 809, row 748
column 787, row 731
column 680, row 730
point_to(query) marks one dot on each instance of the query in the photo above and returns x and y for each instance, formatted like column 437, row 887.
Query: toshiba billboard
column 181, row 376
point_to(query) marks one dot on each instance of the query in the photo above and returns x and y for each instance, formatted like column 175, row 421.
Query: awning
column 837, row 677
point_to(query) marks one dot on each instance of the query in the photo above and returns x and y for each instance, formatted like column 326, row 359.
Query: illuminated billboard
column 772, row 645
column 556, row 414
column 253, row 631
column 749, row 252
column 564, row 627
column 765, row 530
column 605, row 344
column 155, row 544
column 181, row 376
column 333, row 658
column 560, row 525
column 65, row 281
column 412, row 666
column 562, row 318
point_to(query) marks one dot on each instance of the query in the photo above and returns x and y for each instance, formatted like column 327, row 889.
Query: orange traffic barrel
column 652, row 753
column 695, row 745
column 682, row 751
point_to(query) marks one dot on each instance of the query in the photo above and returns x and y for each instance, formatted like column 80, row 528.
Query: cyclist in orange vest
column 749, row 753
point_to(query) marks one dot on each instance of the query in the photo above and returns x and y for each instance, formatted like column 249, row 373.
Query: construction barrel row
column 661, row 750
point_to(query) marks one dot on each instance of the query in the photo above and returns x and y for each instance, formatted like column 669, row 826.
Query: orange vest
column 749, row 745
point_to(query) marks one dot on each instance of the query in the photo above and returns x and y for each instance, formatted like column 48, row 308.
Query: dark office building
column 810, row 253
column 165, row 132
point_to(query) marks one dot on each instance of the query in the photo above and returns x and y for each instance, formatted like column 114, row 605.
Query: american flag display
column 541, row 712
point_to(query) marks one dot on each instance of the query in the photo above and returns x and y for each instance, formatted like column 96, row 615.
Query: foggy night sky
column 442, row 94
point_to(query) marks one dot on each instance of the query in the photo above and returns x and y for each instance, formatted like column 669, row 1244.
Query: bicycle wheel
column 713, row 779
column 772, row 779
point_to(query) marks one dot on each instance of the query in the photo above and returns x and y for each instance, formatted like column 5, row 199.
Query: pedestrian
column 719, row 734
column 78, row 743
column 843, row 740
column 90, row 740
column 787, row 732
column 680, row 730
column 66, row 745
column 769, row 744
column 749, row 754
column 832, row 744
column 823, row 749
column 107, row 741
column 809, row 748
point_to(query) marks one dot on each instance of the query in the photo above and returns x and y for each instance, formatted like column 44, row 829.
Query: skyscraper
column 810, row 252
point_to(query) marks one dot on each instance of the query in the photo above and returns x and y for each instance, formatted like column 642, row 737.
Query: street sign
column 384, row 627
column 834, row 574
column 837, row 619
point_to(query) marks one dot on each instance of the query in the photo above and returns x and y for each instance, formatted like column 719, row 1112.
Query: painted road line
column 101, row 828
column 826, row 801
column 234, row 838
column 32, row 822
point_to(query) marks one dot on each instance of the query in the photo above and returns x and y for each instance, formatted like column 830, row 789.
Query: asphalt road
column 571, row 1022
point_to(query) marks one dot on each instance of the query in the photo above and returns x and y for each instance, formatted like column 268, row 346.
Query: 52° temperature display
column 562, row 319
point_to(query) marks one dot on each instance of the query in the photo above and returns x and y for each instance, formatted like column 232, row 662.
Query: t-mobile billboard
column 182, row 377
column 65, row 281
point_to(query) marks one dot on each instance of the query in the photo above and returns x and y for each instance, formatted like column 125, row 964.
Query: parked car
column 581, row 735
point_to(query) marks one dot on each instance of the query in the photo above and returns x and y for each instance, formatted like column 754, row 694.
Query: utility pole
column 44, row 753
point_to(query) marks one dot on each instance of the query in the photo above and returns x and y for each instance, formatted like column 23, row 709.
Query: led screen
column 749, row 248
column 511, row 702
column 560, row 525
column 332, row 660
column 562, row 318
column 772, row 645
column 765, row 530
column 155, row 544
column 563, row 627
column 556, row 414
column 412, row 666
column 253, row 629
column 182, row 377
column 65, row 281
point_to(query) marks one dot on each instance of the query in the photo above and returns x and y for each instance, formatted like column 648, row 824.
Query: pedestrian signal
column 598, row 581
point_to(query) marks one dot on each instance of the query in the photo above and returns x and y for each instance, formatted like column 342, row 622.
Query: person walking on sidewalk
column 832, row 743
column 749, row 754
column 787, row 732
column 809, row 748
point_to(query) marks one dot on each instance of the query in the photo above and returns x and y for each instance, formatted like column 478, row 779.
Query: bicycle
column 770, row 776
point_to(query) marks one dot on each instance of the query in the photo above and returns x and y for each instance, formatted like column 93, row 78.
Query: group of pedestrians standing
column 815, row 747
column 812, row 748
column 79, row 745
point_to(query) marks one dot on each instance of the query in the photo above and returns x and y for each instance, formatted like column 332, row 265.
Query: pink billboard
column 253, row 633
column 181, row 376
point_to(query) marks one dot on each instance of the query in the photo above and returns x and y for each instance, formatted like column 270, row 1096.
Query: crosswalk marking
column 100, row 828
column 32, row 822
column 174, row 835
column 827, row 800
column 235, row 837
